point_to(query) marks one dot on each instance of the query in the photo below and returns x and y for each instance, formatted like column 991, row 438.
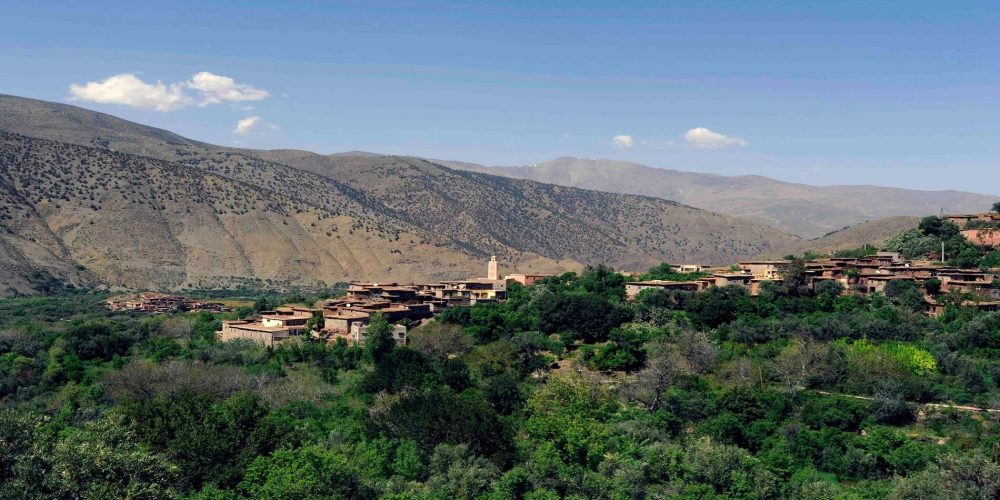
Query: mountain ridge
column 802, row 209
column 234, row 215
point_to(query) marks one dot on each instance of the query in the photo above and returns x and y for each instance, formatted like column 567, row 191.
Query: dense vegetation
column 566, row 390
column 935, row 233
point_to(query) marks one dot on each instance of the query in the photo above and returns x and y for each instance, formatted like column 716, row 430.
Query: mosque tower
column 492, row 272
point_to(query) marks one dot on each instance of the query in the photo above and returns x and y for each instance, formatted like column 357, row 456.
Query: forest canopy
column 566, row 390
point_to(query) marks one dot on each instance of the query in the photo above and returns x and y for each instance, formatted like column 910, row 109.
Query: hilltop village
column 348, row 317
column 405, row 306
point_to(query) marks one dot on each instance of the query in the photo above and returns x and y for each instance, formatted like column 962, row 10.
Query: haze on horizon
column 895, row 94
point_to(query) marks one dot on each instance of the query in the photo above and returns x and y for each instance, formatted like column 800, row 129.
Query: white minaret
column 492, row 272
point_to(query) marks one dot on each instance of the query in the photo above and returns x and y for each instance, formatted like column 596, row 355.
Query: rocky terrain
column 808, row 211
column 92, row 199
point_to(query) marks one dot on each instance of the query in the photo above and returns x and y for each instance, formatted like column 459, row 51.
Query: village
column 405, row 306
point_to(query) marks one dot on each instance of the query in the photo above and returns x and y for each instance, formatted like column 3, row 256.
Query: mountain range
column 92, row 199
column 807, row 211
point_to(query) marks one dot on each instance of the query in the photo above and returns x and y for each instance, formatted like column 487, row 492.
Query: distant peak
column 366, row 154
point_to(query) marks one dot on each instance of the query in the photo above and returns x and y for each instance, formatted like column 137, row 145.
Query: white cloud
column 130, row 90
column 707, row 139
column 216, row 89
column 246, row 125
column 622, row 141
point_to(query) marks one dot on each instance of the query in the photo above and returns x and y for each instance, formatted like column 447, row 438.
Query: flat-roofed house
column 291, row 317
column 729, row 279
column 392, row 292
column 359, row 332
column 526, row 279
column 691, row 268
column 471, row 292
column 341, row 319
column 267, row 336
column 764, row 269
column 968, row 281
column 878, row 283
column 890, row 257
column 962, row 219
column 935, row 308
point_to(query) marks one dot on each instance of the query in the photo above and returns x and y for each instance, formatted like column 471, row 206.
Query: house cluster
column 861, row 276
column 348, row 317
column 408, row 305
column 161, row 303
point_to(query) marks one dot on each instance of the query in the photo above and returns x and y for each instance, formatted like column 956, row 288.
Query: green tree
column 601, row 280
column 437, row 415
column 378, row 341
column 309, row 472
column 794, row 280
column 581, row 316
column 408, row 462
column 103, row 459
column 938, row 227
column 905, row 294
column 572, row 413
column 952, row 476
column 454, row 472
column 932, row 286
column 666, row 272
column 719, row 305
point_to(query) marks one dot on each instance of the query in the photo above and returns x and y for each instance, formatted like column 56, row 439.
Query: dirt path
column 941, row 406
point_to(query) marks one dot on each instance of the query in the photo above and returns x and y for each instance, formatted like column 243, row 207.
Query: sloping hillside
column 141, row 207
column 871, row 233
column 628, row 231
column 139, row 222
column 808, row 211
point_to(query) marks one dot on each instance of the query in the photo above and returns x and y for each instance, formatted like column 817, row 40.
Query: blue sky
column 890, row 92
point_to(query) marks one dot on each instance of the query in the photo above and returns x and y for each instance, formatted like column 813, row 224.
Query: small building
column 270, row 328
column 267, row 336
column 287, row 317
column 872, row 284
column 889, row 257
column 359, row 332
column 526, row 279
column 968, row 281
column 732, row 279
column 471, row 292
column 935, row 308
column 962, row 219
column 691, row 268
column 392, row 292
column 764, row 269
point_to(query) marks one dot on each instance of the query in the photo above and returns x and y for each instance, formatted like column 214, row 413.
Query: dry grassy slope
column 809, row 211
column 494, row 212
column 871, row 233
column 295, row 215
column 139, row 222
column 64, row 123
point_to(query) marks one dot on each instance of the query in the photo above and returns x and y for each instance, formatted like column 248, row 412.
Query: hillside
column 138, row 222
column 871, row 233
column 808, row 211
column 140, row 207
